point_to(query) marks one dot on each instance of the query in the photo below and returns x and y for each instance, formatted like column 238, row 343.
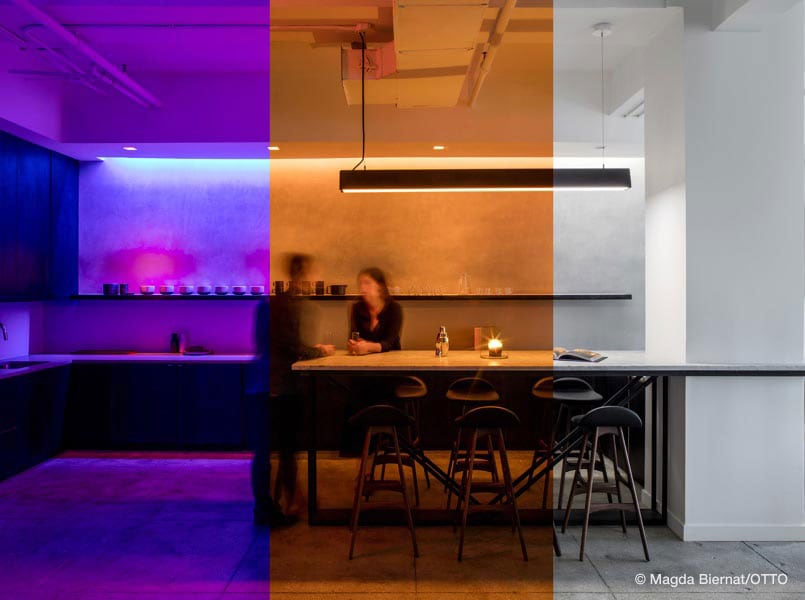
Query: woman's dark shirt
column 389, row 324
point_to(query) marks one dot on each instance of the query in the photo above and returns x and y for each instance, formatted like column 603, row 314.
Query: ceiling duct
column 434, row 44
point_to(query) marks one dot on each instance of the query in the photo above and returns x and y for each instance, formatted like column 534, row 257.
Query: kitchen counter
column 616, row 363
column 143, row 357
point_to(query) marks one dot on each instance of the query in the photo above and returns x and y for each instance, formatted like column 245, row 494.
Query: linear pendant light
column 485, row 180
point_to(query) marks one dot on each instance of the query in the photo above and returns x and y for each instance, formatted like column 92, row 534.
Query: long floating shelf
column 352, row 297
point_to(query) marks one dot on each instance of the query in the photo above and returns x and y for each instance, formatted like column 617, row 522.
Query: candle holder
column 494, row 349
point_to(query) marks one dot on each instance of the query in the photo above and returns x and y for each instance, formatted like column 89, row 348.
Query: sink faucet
column 5, row 331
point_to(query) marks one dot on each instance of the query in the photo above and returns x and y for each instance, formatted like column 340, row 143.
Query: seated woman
column 376, row 317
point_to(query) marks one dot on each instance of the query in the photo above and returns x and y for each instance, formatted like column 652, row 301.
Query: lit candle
column 495, row 348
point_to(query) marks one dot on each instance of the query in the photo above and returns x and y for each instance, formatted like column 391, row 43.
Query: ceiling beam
column 747, row 15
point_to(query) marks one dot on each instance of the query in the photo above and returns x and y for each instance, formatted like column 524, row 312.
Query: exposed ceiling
column 160, row 36
column 174, row 48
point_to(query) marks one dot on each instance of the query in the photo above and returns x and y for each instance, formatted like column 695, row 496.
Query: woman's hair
column 379, row 277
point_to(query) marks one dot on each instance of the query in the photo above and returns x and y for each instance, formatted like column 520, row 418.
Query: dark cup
column 319, row 288
column 279, row 288
column 305, row 287
column 123, row 289
column 337, row 290
column 111, row 289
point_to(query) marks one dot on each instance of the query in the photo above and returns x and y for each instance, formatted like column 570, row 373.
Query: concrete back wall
column 420, row 240
column 218, row 221
column 173, row 221
column 576, row 242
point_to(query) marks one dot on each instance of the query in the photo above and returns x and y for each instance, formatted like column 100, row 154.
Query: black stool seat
column 488, row 417
column 608, row 416
column 381, row 415
column 565, row 389
column 472, row 389
column 410, row 387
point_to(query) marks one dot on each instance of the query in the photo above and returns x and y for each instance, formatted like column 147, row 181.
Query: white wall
column 744, row 467
column 665, row 194
column 663, row 79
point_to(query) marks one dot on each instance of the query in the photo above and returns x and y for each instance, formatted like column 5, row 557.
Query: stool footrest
column 484, row 487
column 381, row 485
column 391, row 459
column 613, row 506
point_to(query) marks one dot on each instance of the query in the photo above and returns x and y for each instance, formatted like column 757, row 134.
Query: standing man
column 284, row 327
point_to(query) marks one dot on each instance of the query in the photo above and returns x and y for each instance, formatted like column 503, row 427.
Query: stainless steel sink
column 20, row 364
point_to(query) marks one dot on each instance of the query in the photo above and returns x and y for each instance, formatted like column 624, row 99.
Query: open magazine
column 560, row 353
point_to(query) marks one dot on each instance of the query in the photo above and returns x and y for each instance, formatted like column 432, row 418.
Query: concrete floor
column 157, row 528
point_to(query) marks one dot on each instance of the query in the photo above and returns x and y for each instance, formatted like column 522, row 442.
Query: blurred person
column 283, row 327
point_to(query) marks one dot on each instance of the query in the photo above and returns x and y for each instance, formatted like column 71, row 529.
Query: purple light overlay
column 173, row 221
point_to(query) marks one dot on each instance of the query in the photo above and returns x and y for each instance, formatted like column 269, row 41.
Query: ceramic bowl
column 166, row 289
column 186, row 290
column 222, row 290
column 147, row 290
column 258, row 290
column 204, row 290
column 239, row 290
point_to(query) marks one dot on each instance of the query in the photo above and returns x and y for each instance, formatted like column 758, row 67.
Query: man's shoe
column 273, row 518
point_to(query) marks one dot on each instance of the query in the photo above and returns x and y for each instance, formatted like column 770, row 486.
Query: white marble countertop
column 617, row 362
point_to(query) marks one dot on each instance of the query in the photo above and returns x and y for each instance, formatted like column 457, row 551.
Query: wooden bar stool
column 408, row 393
column 470, row 393
column 568, row 397
column 381, row 419
column 601, row 422
column 490, row 422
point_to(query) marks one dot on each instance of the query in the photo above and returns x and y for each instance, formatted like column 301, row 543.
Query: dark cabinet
column 46, row 399
column 12, row 428
column 39, row 225
column 32, row 409
column 145, row 406
column 8, row 210
column 211, row 405
column 88, row 421
column 166, row 406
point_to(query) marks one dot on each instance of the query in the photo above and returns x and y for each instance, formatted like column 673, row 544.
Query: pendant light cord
column 603, row 124
column 363, row 102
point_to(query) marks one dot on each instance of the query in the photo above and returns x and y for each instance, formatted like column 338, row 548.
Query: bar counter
column 617, row 363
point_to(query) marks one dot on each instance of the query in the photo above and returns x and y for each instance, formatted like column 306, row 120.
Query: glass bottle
column 442, row 342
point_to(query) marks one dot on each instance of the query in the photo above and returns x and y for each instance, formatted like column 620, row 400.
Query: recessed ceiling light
column 130, row 148
column 273, row 148
column 438, row 147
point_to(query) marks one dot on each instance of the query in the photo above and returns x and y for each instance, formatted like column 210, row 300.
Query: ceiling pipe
column 491, row 48
column 65, row 68
column 357, row 28
column 59, row 60
column 112, row 72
